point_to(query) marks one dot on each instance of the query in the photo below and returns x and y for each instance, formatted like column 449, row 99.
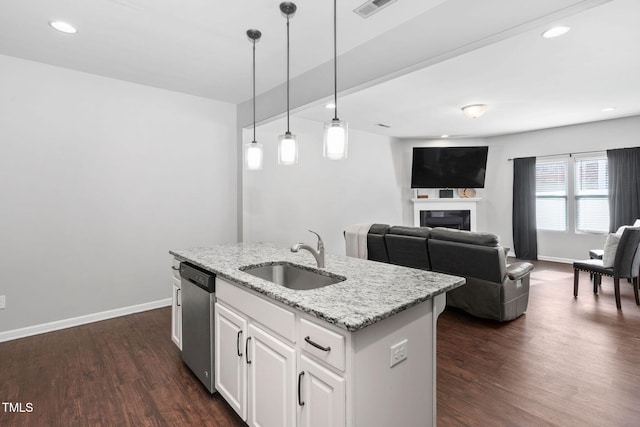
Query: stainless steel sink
column 293, row 276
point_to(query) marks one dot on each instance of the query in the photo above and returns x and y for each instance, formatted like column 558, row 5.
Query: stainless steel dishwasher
column 198, row 298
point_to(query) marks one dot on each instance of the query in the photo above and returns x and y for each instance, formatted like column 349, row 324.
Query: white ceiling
column 527, row 81
column 199, row 47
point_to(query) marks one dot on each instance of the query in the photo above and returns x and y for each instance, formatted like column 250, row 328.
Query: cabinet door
column 272, row 381
column 176, row 314
column 230, row 365
column 321, row 394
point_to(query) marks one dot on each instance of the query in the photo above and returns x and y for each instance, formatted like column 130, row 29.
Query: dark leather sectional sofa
column 494, row 289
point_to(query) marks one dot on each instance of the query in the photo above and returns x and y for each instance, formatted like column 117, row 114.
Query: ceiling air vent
column 372, row 6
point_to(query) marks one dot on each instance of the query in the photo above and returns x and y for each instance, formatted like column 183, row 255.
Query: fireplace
column 459, row 212
column 458, row 219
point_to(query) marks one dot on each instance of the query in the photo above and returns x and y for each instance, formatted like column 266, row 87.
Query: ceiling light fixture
column 287, row 143
column 336, row 131
column 555, row 32
column 474, row 111
column 63, row 27
column 608, row 109
column 254, row 150
column 444, row 136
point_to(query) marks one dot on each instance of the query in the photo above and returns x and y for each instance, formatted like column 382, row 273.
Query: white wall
column 99, row 179
column 282, row 202
column 495, row 210
column 404, row 152
column 570, row 139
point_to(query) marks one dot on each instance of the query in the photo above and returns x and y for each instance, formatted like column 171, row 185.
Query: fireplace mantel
column 454, row 204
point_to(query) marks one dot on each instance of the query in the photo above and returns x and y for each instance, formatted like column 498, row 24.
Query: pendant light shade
column 336, row 138
column 287, row 143
column 253, row 155
column 253, row 151
column 287, row 149
column 336, row 131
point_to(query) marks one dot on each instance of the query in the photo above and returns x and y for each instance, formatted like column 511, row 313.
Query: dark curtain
column 525, row 239
column 624, row 186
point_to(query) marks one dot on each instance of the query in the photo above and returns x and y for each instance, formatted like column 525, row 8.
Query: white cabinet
column 280, row 367
column 321, row 395
column 321, row 392
column 255, row 365
column 272, row 380
column 230, row 366
column 176, row 307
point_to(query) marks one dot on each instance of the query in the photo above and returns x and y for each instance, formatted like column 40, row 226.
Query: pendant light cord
column 288, row 74
column 254, row 90
column 335, row 60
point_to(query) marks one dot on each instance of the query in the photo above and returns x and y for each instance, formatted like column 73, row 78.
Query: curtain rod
column 562, row 154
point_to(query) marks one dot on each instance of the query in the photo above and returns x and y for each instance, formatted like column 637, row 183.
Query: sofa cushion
column 379, row 228
column 462, row 236
column 410, row 231
column 468, row 260
column 376, row 246
column 407, row 246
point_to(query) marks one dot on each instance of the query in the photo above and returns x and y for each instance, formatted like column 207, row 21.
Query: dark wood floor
column 566, row 362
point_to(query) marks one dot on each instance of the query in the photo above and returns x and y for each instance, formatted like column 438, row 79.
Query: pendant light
column 287, row 143
column 253, row 150
column 336, row 136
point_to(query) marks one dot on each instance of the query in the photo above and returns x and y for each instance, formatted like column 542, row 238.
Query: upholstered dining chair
column 626, row 265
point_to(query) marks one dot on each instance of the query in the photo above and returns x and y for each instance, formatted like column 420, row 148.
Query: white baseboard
column 554, row 259
column 548, row 258
column 81, row 320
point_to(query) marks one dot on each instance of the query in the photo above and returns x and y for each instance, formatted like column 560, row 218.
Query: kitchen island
column 360, row 352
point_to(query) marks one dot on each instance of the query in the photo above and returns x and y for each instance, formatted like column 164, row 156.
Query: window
column 591, row 189
column 551, row 195
column 581, row 204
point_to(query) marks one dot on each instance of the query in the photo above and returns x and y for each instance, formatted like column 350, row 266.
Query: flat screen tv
column 448, row 167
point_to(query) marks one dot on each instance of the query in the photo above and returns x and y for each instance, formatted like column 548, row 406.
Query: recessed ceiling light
column 555, row 32
column 608, row 109
column 64, row 27
column 330, row 106
column 444, row 136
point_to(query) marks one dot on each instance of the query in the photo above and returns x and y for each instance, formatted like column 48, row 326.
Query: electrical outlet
column 398, row 352
column 3, row 301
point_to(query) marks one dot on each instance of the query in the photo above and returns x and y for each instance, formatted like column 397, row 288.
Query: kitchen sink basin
column 293, row 276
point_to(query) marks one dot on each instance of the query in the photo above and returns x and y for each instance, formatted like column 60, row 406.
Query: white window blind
column 591, row 194
column 551, row 195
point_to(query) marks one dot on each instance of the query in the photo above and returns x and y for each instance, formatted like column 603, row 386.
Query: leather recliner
column 494, row 289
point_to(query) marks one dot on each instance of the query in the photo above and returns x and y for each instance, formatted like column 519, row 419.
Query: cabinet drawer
column 175, row 268
column 332, row 343
column 275, row 318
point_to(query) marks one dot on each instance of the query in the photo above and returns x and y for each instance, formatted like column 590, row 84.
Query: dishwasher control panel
column 198, row 276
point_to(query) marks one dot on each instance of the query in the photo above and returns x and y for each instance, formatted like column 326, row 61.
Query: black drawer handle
column 238, row 343
column 316, row 345
column 300, row 375
column 173, row 267
column 178, row 297
column 246, row 350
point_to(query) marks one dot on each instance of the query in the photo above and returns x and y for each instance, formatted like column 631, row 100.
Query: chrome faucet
column 318, row 255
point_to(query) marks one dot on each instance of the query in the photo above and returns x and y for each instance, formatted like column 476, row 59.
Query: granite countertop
column 372, row 291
